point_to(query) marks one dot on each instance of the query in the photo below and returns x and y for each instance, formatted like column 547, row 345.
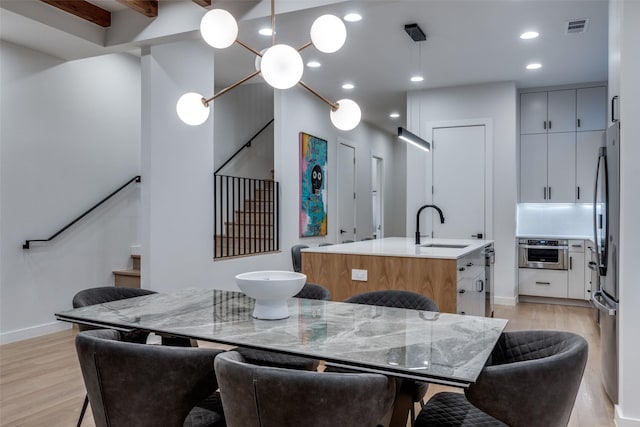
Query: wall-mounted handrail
column 28, row 242
column 246, row 145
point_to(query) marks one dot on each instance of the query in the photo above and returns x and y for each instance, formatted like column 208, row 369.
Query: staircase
column 252, row 207
column 129, row 278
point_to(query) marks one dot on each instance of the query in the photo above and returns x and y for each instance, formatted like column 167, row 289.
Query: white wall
column 497, row 102
column 239, row 114
column 177, row 199
column 628, row 410
column 299, row 111
column 70, row 134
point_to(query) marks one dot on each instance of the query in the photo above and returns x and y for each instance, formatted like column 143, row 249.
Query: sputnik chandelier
column 281, row 65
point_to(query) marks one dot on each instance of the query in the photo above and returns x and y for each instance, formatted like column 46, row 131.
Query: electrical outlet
column 360, row 275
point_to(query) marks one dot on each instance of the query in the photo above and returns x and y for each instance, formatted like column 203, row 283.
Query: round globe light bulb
column 258, row 61
column 347, row 116
column 328, row 33
column 219, row 28
column 191, row 110
column 281, row 66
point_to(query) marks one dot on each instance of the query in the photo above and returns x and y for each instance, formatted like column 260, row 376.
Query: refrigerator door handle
column 600, row 306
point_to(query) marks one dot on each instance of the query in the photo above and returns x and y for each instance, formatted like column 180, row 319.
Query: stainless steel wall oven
column 543, row 253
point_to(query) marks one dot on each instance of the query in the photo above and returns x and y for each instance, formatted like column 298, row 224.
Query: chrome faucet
column 418, row 219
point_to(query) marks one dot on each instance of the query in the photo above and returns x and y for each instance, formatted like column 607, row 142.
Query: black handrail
column 27, row 242
column 247, row 145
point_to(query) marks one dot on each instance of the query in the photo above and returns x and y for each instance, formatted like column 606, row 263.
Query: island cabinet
column 453, row 278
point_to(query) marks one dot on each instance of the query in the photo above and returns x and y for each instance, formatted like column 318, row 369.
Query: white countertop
column 404, row 247
column 551, row 236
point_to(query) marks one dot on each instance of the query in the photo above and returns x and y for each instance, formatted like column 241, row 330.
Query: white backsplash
column 559, row 219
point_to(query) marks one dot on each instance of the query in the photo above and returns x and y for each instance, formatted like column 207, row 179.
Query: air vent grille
column 577, row 26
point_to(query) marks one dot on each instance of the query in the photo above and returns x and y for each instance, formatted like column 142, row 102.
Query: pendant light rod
column 334, row 105
column 249, row 48
column 273, row 22
column 228, row 88
column 303, row 47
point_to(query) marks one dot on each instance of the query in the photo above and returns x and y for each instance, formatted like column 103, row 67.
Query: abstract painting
column 313, row 186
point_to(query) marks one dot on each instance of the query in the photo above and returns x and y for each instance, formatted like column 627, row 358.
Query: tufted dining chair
column 268, row 358
column 531, row 380
column 296, row 257
column 255, row 396
column 401, row 299
column 142, row 385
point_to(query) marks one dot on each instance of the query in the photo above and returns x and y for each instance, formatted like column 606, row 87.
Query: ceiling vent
column 577, row 26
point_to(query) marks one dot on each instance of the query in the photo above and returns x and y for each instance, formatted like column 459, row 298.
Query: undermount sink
column 442, row 245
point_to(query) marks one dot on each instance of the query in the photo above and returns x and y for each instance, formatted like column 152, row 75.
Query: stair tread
column 129, row 272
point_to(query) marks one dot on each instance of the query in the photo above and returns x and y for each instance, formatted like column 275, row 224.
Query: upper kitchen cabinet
column 548, row 112
column 587, row 145
column 591, row 106
column 567, row 110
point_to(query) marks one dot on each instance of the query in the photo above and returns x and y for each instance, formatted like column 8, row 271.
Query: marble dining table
column 419, row 345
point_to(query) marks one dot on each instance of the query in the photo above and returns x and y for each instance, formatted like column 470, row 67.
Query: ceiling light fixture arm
column 273, row 22
column 249, row 48
column 303, row 47
column 334, row 105
column 206, row 102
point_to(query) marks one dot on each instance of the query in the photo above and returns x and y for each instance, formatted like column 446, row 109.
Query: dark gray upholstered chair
column 146, row 385
column 103, row 294
column 401, row 299
column 296, row 257
column 531, row 380
column 325, row 244
column 268, row 358
column 254, row 396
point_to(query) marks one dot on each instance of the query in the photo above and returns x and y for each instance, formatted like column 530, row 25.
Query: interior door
column 459, row 181
column 346, row 192
column 376, row 197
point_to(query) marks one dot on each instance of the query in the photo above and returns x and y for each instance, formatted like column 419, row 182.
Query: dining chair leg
column 413, row 414
column 84, row 409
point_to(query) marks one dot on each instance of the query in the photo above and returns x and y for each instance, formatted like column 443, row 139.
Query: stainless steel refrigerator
column 606, row 230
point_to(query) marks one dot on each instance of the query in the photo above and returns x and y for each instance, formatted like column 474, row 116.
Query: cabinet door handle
column 545, row 193
column 462, row 291
column 461, row 269
column 544, row 283
column 570, row 263
column 578, row 193
column 549, row 193
column 544, row 125
column 549, row 124
column 578, row 122
column 480, row 284
column 469, row 264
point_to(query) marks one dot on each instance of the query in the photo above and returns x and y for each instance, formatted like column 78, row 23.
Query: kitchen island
column 449, row 271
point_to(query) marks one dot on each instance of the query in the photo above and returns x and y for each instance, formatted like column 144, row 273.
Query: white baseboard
column 625, row 422
column 32, row 332
column 504, row 300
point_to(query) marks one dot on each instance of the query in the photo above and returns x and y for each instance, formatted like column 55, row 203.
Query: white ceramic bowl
column 271, row 289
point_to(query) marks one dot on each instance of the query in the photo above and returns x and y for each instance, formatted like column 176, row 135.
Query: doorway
column 459, row 181
column 377, row 201
column 346, row 192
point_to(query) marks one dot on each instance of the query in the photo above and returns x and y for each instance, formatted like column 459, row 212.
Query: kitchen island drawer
column 543, row 283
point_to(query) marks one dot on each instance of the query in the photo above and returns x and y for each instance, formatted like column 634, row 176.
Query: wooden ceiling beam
column 148, row 8
column 83, row 9
column 203, row 3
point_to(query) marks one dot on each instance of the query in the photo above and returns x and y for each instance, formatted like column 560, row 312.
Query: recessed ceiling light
column 417, row 79
column 264, row 31
column 534, row 66
column 529, row 35
column 352, row 17
column 394, row 115
column 313, row 64
column 348, row 86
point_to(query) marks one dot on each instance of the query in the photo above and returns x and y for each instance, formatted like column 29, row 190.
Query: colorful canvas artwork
column 313, row 186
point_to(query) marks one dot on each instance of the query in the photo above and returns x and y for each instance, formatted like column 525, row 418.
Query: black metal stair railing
column 27, row 243
column 246, row 216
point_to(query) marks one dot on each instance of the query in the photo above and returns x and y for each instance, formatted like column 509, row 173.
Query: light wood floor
column 41, row 383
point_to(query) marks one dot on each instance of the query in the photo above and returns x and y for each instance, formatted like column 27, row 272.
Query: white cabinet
column 587, row 145
column 576, row 276
column 591, row 103
column 542, row 283
column 471, row 284
column 547, row 168
column 543, row 112
column 560, row 132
